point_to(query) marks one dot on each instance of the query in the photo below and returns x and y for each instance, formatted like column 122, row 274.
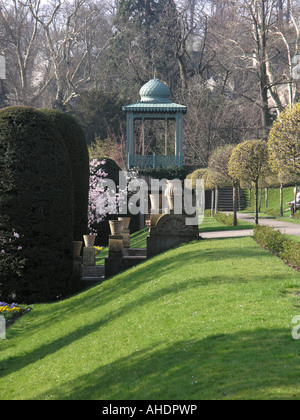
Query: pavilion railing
column 153, row 161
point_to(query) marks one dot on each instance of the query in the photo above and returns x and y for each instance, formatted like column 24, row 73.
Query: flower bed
column 13, row 311
column 98, row 249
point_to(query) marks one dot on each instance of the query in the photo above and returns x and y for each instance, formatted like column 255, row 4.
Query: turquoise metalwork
column 155, row 104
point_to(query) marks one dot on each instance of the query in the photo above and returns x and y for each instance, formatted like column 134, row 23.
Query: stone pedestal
column 115, row 255
column 168, row 231
column 115, row 246
column 126, row 238
column 89, row 257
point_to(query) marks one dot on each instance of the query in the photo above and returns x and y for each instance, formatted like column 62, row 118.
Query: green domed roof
column 155, row 91
column 155, row 98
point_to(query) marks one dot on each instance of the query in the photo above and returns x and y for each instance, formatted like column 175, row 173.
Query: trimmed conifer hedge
column 75, row 142
column 36, row 208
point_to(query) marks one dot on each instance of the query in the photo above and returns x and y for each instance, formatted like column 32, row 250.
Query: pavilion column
column 128, row 139
column 166, row 137
column 181, row 140
column 143, row 136
column 177, row 139
column 132, row 137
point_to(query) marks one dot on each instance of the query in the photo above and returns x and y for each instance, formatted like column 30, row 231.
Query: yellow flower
column 98, row 249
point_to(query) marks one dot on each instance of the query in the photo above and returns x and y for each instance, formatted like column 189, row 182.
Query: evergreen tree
column 147, row 45
column 100, row 115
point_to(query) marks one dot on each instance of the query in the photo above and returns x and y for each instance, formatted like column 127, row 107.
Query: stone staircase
column 225, row 199
column 130, row 258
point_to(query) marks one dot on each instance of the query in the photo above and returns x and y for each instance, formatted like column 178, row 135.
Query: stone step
column 92, row 272
column 135, row 257
column 137, row 252
column 114, row 266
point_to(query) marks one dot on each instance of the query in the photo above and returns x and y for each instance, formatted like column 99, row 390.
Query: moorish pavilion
column 155, row 104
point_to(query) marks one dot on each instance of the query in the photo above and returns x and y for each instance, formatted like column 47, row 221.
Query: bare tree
column 252, row 45
column 52, row 50
column 289, row 35
column 18, row 37
column 76, row 34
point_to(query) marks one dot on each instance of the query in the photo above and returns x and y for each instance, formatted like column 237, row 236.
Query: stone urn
column 116, row 227
column 125, row 221
column 89, row 240
column 77, row 245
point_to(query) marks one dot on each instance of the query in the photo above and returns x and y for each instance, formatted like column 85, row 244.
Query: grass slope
column 274, row 198
column 208, row 320
column 210, row 224
column 274, row 204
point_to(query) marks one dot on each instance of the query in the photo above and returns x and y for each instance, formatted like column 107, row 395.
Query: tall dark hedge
column 36, row 202
column 75, row 142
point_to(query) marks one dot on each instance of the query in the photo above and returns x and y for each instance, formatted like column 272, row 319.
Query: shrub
column 36, row 202
column 75, row 141
column 226, row 219
column 291, row 253
column 269, row 238
column 278, row 244
column 273, row 212
column 297, row 215
column 207, row 213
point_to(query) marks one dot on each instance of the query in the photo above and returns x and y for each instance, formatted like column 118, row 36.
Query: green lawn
column 208, row 320
column 289, row 220
column 274, row 203
column 210, row 224
column 274, row 198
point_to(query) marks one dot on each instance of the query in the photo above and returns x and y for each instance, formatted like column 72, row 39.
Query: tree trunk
column 266, row 198
column 182, row 72
column 295, row 200
column 235, row 194
column 212, row 202
column 216, row 200
column 281, row 200
column 256, row 203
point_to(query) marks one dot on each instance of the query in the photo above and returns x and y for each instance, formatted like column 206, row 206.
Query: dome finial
column 155, row 91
